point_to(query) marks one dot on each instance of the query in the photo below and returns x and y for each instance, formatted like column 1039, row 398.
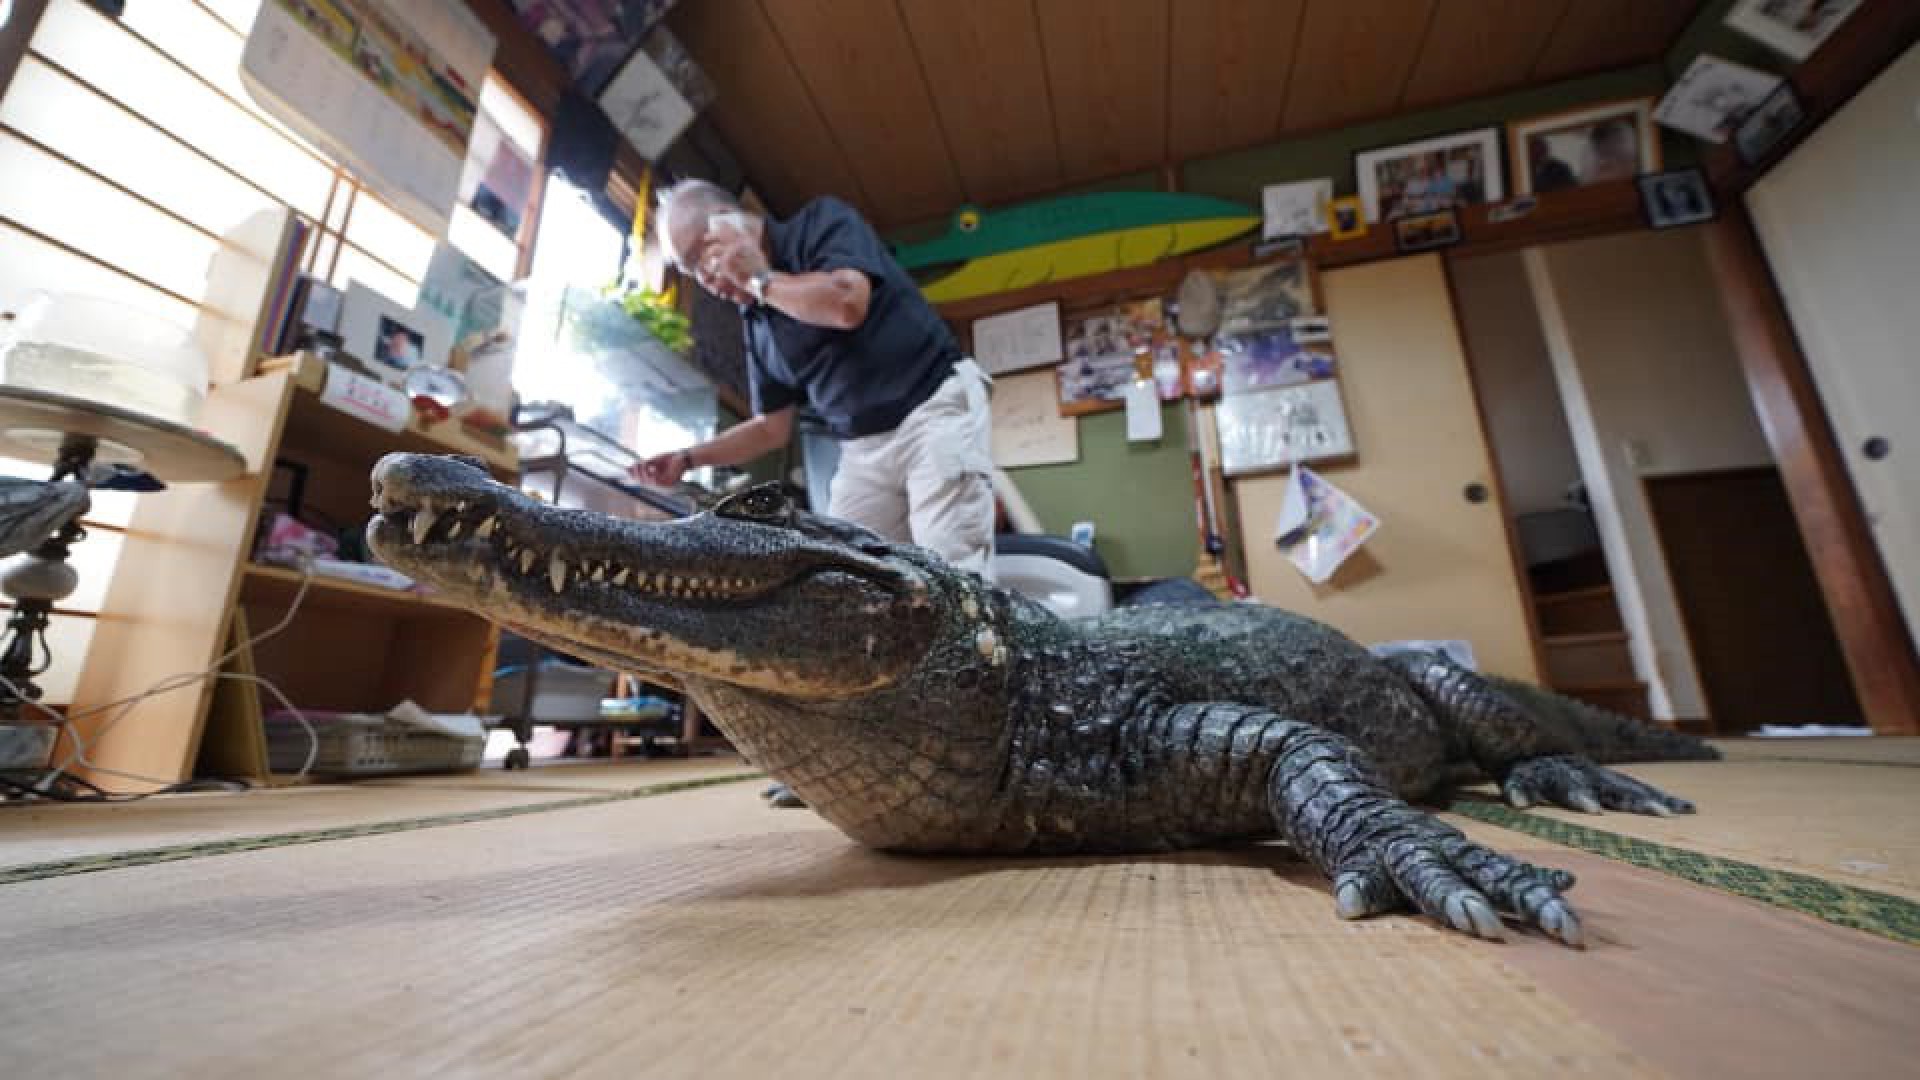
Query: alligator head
column 753, row 592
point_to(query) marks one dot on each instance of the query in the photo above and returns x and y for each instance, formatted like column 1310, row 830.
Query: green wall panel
column 1139, row 496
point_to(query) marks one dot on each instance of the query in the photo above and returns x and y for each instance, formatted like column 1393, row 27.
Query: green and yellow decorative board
column 1070, row 237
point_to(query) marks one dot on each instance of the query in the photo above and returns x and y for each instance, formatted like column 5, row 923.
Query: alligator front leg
column 1382, row 854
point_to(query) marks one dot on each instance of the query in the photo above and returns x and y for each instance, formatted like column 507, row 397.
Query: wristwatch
column 757, row 285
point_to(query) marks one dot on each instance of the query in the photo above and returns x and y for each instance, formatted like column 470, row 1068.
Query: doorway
column 1611, row 388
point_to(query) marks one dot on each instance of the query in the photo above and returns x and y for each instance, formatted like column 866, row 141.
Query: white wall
column 1652, row 385
column 1514, row 377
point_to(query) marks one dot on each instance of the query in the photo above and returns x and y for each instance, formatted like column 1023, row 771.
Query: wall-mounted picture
column 1425, row 232
column 1347, row 218
column 1267, row 297
column 1711, row 98
column 1680, row 197
column 1271, row 358
column 1297, row 209
column 1793, row 28
column 1763, row 129
column 1271, row 429
column 1589, row 145
column 1101, row 352
column 1443, row 172
column 388, row 339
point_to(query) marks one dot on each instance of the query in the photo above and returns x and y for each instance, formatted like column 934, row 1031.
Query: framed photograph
column 388, row 339
column 1102, row 350
column 1672, row 199
column 1268, row 296
column 1762, row 130
column 1440, row 173
column 1296, row 209
column 1346, row 218
column 1711, row 98
column 1793, row 28
column 1268, row 430
column 1425, row 232
column 1590, row 145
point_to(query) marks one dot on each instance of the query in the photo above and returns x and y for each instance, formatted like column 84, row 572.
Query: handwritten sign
column 1027, row 426
column 369, row 399
column 1017, row 340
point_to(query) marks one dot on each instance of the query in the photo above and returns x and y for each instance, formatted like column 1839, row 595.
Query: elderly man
column 832, row 321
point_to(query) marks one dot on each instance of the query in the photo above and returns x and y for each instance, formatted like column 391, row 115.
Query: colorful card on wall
column 1320, row 526
column 1101, row 353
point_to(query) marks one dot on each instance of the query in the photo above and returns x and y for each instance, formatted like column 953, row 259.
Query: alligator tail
column 1604, row 736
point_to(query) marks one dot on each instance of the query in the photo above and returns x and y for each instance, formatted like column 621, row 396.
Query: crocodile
column 922, row 710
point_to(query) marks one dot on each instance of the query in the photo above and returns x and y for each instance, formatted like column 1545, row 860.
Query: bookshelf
column 186, row 592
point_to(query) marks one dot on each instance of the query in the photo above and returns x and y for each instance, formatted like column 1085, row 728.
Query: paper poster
column 1016, row 340
column 1143, row 411
column 1027, row 426
column 646, row 107
column 369, row 399
column 1711, row 98
column 391, row 92
column 1320, row 525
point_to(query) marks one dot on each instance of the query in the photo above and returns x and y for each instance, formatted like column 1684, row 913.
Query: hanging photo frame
column 1267, row 430
column 1103, row 348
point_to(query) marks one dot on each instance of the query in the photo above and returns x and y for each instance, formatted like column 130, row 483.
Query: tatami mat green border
column 1862, row 909
column 1879, row 913
column 87, row 864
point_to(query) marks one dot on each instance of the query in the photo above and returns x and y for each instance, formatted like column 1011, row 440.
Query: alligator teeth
column 621, row 577
column 423, row 520
column 485, row 530
column 453, row 531
column 600, row 573
column 526, row 560
column 557, row 573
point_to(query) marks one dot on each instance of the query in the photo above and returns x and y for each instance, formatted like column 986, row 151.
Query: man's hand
column 663, row 470
column 728, row 265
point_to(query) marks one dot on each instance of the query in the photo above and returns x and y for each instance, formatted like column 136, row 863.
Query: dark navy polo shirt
column 862, row 381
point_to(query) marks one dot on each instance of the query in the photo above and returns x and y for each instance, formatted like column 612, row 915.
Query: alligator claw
column 1574, row 783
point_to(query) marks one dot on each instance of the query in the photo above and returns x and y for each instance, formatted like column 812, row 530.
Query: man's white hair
column 687, row 196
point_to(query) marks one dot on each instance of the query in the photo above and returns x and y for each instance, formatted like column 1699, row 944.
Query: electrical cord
column 60, row 774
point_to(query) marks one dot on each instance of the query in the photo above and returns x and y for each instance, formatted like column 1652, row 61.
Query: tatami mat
column 42, row 833
column 1857, row 824
column 700, row 933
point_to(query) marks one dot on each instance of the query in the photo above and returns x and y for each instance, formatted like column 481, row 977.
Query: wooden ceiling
column 909, row 108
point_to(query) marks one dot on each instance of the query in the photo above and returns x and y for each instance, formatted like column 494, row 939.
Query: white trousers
column 929, row 481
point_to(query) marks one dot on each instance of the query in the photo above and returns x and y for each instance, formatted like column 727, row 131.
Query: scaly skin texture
column 920, row 709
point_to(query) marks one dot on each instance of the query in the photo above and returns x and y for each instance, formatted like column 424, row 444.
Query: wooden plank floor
column 700, row 933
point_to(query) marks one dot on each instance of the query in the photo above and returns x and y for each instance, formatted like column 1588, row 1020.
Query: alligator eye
column 968, row 221
column 764, row 503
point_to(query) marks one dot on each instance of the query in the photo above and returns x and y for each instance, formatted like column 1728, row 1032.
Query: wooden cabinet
column 186, row 596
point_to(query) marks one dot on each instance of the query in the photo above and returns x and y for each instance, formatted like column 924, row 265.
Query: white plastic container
column 103, row 351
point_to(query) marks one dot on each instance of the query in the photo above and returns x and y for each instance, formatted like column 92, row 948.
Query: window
column 129, row 147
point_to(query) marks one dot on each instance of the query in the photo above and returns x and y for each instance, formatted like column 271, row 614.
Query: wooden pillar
column 1873, row 635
